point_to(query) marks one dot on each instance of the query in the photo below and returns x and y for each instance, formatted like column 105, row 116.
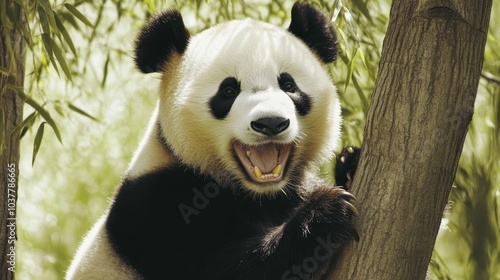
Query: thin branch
column 491, row 78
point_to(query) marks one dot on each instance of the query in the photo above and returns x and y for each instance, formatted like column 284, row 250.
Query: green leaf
column 42, row 112
column 60, row 58
column 25, row 124
column 44, row 21
column 65, row 35
column 38, row 142
column 361, row 94
column 350, row 69
column 14, row 15
column 79, row 15
column 3, row 16
column 59, row 109
column 48, row 49
column 2, row 130
column 49, row 14
column 69, row 18
column 362, row 56
column 82, row 112
column 362, row 8
column 105, row 75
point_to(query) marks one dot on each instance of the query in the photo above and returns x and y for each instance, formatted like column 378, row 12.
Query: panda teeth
column 248, row 154
column 275, row 173
column 257, row 171
column 277, row 170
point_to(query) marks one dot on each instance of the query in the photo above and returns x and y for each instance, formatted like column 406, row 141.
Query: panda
column 225, row 183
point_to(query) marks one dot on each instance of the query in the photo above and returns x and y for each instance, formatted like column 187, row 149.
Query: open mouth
column 263, row 163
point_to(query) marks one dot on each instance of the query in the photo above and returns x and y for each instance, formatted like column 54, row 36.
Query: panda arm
column 315, row 233
column 298, row 247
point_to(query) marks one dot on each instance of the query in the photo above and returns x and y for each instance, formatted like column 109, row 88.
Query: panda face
column 249, row 103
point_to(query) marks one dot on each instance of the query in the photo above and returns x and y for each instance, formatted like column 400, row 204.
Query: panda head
column 246, row 102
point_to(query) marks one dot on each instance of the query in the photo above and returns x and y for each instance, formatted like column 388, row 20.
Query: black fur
column 300, row 99
column 314, row 28
column 346, row 165
column 162, row 35
column 176, row 223
column 222, row 101
column 227, row 235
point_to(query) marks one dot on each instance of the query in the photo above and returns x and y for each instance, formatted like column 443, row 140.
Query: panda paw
column 333, row 206
column 345, row 167
column 327, row 211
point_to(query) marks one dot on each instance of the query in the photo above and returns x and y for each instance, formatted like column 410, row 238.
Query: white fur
column 255, row 53
column 96, row 260
column 151, row 155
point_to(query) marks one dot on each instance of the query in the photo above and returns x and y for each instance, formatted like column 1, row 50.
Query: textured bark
column 12, row 107
column 421, row 106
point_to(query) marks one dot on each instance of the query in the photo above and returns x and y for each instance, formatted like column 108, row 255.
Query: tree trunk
column 11, row 114
column 421, row 106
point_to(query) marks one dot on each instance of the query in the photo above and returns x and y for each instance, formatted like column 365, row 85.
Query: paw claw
column 347, row 195
column 352, row 208
column 350, row 150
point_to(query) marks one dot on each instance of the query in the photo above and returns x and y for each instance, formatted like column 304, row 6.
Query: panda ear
column 313, row 28
column 162, row 35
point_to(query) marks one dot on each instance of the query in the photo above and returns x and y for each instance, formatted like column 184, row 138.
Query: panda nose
column 270, row 126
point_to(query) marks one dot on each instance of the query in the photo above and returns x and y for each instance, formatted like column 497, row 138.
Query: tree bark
column 11, row 77
column 421, row 106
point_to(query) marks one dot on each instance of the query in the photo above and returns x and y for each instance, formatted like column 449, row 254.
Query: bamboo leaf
column 59, row 109
column 48, row 49
column 60, row 58
column 44, row 113
column 361, row 95
column 350, row 69
column 37, row 142
column 105, row 75
column 44, row 21
column 69, row 18
column 49, row 13
column 25, row 124
column 4, row 18
column 362, row 8
column 65, row 35
column 81, row 112
column 78, row 14
column 14, row 15
column 362, row 56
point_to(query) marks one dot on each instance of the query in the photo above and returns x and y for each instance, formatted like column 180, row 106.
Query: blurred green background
column 103, row 110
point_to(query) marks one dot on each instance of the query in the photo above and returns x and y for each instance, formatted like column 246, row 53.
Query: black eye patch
column 301, row 100
column 222, row 101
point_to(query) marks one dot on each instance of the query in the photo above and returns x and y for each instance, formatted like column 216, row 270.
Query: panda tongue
column 264, row 156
